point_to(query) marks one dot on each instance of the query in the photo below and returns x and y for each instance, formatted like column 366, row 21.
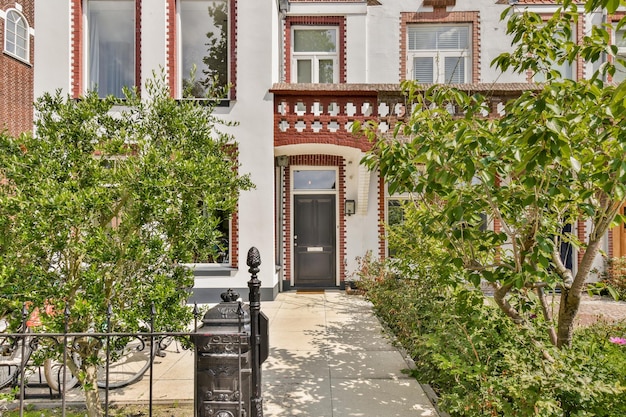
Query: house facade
column 17, row 40
column 302, row 71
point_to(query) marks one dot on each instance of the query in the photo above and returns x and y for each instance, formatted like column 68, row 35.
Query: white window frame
column 179, row 47
column 13, row 49
column 439, row 55
column 314, row 57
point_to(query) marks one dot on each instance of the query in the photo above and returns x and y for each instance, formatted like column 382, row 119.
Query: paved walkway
column 329, row 357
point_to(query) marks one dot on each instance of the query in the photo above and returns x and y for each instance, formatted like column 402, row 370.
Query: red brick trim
column 170, row 45
column 315, row 160
column 382, row 234
column 233, row 49
column 339, row 21
column 613, row 19
column 440, row 15
column 77, row 48
column 582, row 235
column 138, row 44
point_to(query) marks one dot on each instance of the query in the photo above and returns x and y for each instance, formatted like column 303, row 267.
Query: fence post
column 256, row 402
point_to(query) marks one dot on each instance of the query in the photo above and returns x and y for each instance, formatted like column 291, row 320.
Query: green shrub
column 482, row 364
column 615, row 276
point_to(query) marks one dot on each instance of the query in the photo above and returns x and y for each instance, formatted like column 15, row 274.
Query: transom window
column 16, row 35
column 439, row 53
column 314, row 179
column 204, row 44
column 111, row 46
column 314, row 55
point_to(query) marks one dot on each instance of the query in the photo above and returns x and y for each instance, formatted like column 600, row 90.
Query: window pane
column 620, row 74
column 315, row 40
column 453, row 37
column 111, row 45
column 423, row 69
column 455, row 69
column 314, row 180
column 204, row 33
column 619, row 38
column 16, row 33
column 326, row 67
column 305, row 74
column 422, row 37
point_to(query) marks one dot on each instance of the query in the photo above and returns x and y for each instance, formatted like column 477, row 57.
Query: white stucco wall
column 52, row 46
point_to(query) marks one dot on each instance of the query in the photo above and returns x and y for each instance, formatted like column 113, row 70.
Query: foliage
column 480, row 363
column 105, row 205
column 532, row 173
column 615, row 276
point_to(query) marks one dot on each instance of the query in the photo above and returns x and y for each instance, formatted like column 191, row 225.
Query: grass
column 160, row 410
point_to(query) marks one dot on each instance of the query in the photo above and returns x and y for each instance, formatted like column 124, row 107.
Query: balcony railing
column 325, row 113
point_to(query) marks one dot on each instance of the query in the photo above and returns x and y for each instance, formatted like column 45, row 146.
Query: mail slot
column 315, row 249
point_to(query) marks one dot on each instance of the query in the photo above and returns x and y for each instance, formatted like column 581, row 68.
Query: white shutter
column 423, row 69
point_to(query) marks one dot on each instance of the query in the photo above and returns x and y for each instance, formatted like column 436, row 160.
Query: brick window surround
column 78, row 44
column 172, row 52
column 440, row 15
column 338, row 21
column 613, row 20
column 319, row 161
column 77, row 38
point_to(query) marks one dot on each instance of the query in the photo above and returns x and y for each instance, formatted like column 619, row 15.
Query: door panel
column 314, row 240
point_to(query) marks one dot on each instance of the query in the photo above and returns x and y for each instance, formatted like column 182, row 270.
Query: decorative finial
column 229, row 295
column 254, row 260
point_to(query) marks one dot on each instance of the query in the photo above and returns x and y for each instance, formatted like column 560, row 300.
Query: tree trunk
column 568, row 310
column 92, row 396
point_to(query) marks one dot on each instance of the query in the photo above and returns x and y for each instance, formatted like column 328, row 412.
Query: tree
column 557, row 157
column 104, row 205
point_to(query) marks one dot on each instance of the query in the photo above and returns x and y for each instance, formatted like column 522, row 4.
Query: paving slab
column 329, row 357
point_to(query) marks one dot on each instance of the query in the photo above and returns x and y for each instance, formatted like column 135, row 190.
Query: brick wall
column 17, row 77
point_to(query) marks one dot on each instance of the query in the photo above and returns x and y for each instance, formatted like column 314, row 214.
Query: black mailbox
column 223, row 360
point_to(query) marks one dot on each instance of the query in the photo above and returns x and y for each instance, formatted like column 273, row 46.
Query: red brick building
column 17, row 40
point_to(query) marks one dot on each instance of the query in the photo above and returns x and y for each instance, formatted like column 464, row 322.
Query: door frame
column 292, row 193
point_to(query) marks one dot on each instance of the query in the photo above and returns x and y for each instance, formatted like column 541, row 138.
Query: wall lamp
column 350, row 207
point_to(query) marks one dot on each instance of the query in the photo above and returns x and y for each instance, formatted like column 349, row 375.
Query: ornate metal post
column 256, row 401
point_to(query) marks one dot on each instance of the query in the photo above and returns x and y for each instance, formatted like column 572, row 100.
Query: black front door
column 314, row 240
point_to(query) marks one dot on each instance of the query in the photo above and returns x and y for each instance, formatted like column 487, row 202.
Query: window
column 16, row 35
column 314, row 55
column 439, row 53
column 204, row 45
column 620, row 69
column 395, row 217
column 111, row 46
column 313, row 179
column 566, row 69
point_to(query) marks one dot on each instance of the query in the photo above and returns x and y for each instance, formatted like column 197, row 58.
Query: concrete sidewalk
column 329, row 357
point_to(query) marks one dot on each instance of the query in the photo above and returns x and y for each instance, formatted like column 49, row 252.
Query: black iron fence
column 40, row 364
column 224, row 386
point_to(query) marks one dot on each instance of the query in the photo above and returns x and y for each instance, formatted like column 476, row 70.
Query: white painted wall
column 52, row 46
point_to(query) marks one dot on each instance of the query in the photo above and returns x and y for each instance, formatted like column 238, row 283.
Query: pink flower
column 617, row 340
